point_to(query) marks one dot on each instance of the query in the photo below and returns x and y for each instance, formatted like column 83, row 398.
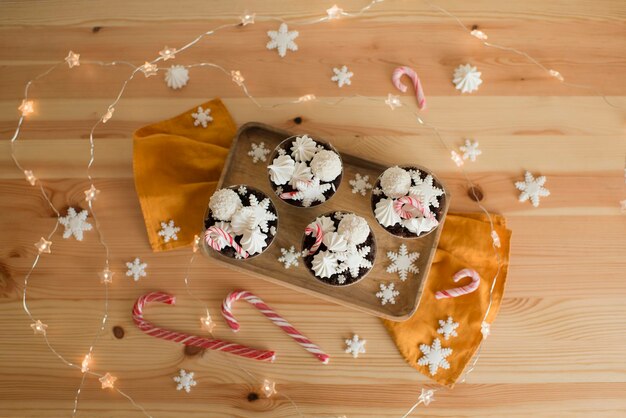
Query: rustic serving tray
column 240, row 169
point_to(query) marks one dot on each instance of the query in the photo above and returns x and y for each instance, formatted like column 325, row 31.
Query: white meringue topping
column 324, row 264
column 386, row 214
column 281, row 169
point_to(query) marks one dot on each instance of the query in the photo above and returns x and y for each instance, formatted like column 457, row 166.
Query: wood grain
column 557, row 347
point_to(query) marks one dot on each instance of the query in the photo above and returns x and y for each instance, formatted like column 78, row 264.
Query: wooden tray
column 240, row 169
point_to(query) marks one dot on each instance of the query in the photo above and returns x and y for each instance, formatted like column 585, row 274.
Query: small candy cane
column 186, row 339
column 463, row 290
column 417, row 84
column 213, row 235
column 227, row 312
column 288, row 195
column 398, row 206
column 319, row 236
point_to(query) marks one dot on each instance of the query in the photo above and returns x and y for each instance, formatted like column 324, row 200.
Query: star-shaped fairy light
column 43, row 245
column 532, row 188
column 237, row 77
column 27, row 107
column 334, row 12
column 72, row 59
column 84, row 366
column 196, row 243
column 106, row 276
column 393, row 101
column 108, row 381
column 207, row 322
column 426, row 397
column 108, row 115
column 39, row 327
column 91, row 194
column 30, row 177
column 247, row 18
column 167, row 53
column 268, row 388
column 148, row 69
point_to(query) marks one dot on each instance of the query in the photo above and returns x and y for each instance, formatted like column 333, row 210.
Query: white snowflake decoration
column 470, row 150
column 185, row 380
column 341, row 279
column 289, row 257
column 355, row 346
column 272, row 230
column 168, row 231
column 402, row 262
column 75, row 224
column 360, row 184
column 426, row 191
column 448, row 328
column 342, row 76
column 202, row 117
column 532, row 188
column 242, row 190
column 282, row 40
column 434, row 356
column 387, row 294
column 311, row 192
column 258, row 152
column 339, row 215
column 262, row 213
column 136, row 268
column 377, row 191
column 352, row 261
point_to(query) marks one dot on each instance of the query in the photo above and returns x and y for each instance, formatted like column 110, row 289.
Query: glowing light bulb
column 393, row 101
column 306, row 98
column 108, row 115
column 43, row 245
column 72, row 59
column 421, row 122
column 148, row 69
column 426, row 397
column 84, row 366
column 108, row 381
column 247, row 18
column 91, row 194
column 30, row 177
column 456, row 158
column 39, row 327
column 196, row 243
column 496, row 238
column 334, row 12
column 106, row 276
column 485, row 329
column 207, row 322
column 27, row 107
column 237, row 77
column 167, row 53
column 268, row 388
column 479, row 34
column 556, row 74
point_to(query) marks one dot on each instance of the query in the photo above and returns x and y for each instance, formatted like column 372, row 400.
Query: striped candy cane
column 463, row 290
column 410, row 201
column 417, row 84
column 227, row 312
column 315, row 229
column 215, row 237
column 186, row 339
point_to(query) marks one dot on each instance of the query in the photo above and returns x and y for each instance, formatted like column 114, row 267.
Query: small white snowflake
column 355, row 346
column 342, row 76
column 136, row 268
column 242, row 190
column 289, row 257
column 426, row 191
column 352, row 261
column 360, row 184
column 341, row 279
column 448, row 328
column 279, row 191
column 185, row 380
column 272, row 230
column 532, row 188
column 402, row 262
column 387, row 294
column 416, row 176
column 262, row 213
column 377, row 191
column 339, row 215
column 258, row 152
column 311, row 192
column 168, row 231
column 75, row 224
column 202, row 117
column 470, row 150
column 282, row 40
column 434, row 356
column 281, row 151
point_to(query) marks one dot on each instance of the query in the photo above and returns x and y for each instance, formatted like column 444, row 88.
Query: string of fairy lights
column 150, row 68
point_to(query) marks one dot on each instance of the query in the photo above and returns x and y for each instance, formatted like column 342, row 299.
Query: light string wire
column 143, row 68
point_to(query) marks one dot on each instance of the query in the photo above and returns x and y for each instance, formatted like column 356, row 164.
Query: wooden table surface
column 558, row 345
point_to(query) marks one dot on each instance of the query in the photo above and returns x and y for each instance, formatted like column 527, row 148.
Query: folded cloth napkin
column 465, row 243
column 177, row 164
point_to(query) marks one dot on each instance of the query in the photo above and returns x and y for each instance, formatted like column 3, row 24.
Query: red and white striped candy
column 319, row 236
column 463, row 290
column 411, row 202
column 227, row 312
column 417, row 84
column 186, row 339
column 214, row 236
column 288, row 195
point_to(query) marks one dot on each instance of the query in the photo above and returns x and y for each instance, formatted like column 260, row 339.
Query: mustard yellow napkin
column 177, row 166
column 465, row 243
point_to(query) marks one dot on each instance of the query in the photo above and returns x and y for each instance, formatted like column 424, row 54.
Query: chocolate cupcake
column 339, row 248
column 241, row 222
column 407, row 201
column 304, row 172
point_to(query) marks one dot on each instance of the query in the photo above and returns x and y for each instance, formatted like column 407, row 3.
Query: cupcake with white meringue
column 305, row 172
column 241, row 222
column 339, row 248
column 408, row 201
